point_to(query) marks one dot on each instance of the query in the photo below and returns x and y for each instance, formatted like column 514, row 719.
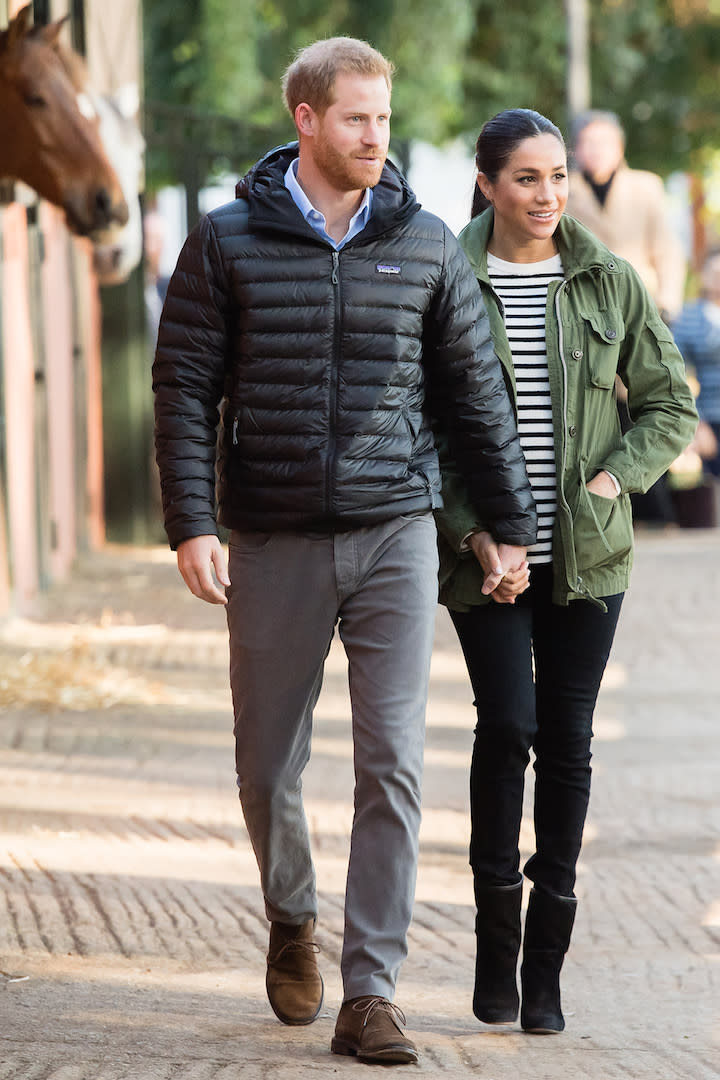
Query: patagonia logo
column 388, row 268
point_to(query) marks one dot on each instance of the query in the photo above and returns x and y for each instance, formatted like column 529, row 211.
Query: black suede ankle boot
column 497, row 928
column 548, row 926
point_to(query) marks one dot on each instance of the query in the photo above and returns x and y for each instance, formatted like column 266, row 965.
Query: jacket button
column 611, row 265
column 572, row 431
column 610, row 334
column 577, row 354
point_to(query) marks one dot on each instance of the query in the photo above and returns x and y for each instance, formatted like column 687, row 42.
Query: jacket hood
column 263, row 186
column 579, row 248
column 279, row 156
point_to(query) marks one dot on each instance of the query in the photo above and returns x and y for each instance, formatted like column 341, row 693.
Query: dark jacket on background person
column 600, row 321
column 328, row 364
column 697, row 336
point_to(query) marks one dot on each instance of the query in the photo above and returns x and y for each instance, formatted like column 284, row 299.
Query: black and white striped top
column 523, row 288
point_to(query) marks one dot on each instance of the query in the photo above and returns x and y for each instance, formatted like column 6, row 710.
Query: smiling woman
column 536, row 625
column 529, row 196
column 49, row 134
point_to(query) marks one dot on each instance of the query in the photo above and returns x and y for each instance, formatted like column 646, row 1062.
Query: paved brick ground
column 132, row 936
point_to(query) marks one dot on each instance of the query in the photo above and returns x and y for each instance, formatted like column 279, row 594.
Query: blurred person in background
column 328, row 316
column 627, row 210
column 697, row 334
column 153, row 244
column 567, row 316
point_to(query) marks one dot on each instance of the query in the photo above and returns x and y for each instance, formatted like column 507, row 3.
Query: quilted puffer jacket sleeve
column 188, row 380
column 472, row 406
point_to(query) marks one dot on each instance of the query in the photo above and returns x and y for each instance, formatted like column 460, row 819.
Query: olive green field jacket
column 600, row 321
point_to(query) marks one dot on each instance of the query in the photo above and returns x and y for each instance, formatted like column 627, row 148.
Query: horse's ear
column 50, row 34
column 18, row 27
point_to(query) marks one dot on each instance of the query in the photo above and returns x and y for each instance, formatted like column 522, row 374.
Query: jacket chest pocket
column 603, row 334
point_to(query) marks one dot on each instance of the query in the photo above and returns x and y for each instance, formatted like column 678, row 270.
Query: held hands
column 197, row 559
column 507, row 573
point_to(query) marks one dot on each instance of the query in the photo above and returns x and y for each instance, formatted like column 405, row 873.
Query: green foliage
column 658, row 71
column 173, row 50
column 427, row 43
column 516, row 58
column 220, row 56
column 202, row 88
column 654, row 62
column 230, row 39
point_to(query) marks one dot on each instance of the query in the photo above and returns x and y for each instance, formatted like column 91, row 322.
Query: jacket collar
column 272, row 206
column 579, row 249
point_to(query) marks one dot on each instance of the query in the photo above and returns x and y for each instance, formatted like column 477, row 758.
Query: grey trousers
column 288, row 591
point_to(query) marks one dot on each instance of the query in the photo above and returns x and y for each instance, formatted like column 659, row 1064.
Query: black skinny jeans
column 551, row 712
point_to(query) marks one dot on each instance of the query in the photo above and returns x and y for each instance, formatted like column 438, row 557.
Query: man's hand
column 602, row 485
column 197, row 558
column 507, row 573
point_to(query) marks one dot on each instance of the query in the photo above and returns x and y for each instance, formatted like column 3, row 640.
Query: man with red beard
column 329, row 318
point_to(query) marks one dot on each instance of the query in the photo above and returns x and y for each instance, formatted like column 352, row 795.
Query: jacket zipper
column 561, row 347
column 332, row 425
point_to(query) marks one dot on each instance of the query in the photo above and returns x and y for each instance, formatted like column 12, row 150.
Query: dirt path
column 132, row 936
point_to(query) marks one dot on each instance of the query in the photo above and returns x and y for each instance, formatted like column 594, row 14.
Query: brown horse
column 49, row 134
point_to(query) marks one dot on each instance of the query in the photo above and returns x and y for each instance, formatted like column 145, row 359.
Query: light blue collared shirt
column 316, row 220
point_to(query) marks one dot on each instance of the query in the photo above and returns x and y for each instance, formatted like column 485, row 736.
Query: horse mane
column 73, row 63
column 20, row 29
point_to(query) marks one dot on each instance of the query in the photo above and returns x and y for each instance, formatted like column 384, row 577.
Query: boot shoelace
column 371, row 1005
column 310, row 947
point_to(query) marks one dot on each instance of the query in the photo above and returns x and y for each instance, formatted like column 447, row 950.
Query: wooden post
column 578, row 60
column 699, row 231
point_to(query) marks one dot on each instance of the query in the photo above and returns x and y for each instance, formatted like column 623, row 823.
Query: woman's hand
column 507, row 573
column 603, row 485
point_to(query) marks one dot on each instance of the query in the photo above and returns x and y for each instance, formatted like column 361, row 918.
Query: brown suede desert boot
column 293, row 982
column 369, row 1029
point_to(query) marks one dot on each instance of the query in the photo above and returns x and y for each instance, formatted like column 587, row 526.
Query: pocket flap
column 606, row 330
column 608, row 325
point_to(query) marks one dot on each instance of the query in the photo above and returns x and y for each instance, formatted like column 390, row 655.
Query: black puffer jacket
column 328, row 366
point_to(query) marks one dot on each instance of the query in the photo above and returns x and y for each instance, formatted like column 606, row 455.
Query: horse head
column 49, row 135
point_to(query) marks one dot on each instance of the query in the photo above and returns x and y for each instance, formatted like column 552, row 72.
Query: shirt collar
column 313, row 216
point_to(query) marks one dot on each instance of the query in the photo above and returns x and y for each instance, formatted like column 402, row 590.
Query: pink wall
column 57, row 310
column 53, row 497
column 90, row 474
column 19, row 386
column 94, row 474
column 52, row 500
